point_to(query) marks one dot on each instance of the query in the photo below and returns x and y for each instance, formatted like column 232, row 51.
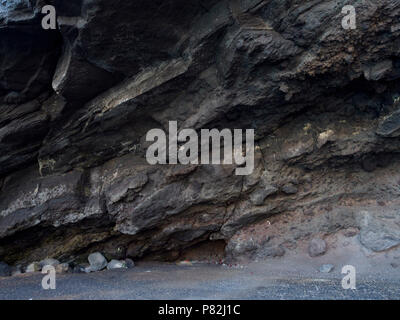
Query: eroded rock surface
column 77, row 102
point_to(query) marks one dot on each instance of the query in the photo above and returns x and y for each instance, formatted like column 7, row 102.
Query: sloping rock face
column 77, row 102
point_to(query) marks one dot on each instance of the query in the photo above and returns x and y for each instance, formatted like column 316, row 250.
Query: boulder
column 16, row 270
column 317, row 247
column 97, row 261
column 49, row 262
column 389, row 126
column 33, row 267
column 117, row 264
column 379, row 233
column 5, row 269
column 62, row 268
column 129, row 263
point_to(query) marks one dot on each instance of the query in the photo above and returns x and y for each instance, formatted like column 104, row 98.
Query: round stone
column 317, row 247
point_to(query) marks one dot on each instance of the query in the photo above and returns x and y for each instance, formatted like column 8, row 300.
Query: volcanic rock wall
column 77, row 102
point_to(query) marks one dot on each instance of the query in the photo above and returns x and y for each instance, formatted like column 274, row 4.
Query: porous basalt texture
column 77, row 102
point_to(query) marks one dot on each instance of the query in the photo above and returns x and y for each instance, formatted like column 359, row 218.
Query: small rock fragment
column 89, row 269
column 326, row 268
column 317, row 247
column 78, row 269
column 324, row 137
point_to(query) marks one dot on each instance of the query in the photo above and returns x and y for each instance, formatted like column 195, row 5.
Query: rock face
column 76, row 104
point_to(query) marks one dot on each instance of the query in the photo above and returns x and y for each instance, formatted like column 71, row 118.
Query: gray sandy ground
column 204, row 281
